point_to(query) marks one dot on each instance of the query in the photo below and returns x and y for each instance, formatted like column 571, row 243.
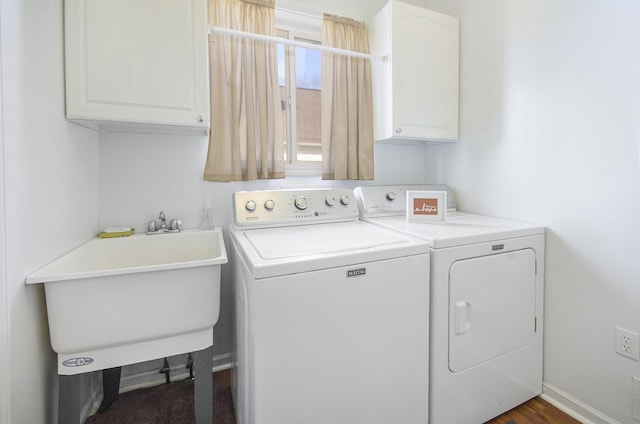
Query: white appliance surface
column 332, row 313
column 288, row 250
column 486, row 312
column 461, row 229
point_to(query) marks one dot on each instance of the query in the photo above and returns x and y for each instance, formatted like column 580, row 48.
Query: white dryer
column 332, row 316
column 487, row 278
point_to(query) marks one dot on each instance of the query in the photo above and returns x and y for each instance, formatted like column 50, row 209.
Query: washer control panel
column 269, row 208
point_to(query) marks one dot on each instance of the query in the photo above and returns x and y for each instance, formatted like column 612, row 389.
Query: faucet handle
column 152, row 227
column 174, row 225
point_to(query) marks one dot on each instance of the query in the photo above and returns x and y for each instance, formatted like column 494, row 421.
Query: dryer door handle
column 463, row 317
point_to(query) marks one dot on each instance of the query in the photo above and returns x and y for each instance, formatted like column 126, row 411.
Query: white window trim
column 299, row 22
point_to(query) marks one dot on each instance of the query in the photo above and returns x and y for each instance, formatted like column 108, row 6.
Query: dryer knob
column 345, row 200
column 269, row 205
column 301, row 203
column 250, row 205
column 391, row 196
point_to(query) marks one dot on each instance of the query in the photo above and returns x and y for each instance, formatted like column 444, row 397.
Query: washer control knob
column 391, row 196
column 330, row 201
column 250, row 205
column 269, row 205
column 345, row 200
column 301, row 203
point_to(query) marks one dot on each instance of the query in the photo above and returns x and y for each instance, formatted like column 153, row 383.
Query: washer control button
column 391, row 196
column 301, row 203
column 269, row 205
column 345, row 200
column 250, row 205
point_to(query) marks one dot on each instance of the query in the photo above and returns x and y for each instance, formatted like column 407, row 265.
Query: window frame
column 296, row 26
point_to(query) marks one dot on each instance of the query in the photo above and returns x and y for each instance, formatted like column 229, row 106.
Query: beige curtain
column 347, row 109
column 245, row 141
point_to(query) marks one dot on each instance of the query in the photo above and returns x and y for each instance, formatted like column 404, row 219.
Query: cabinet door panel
column 415, row 92
column 425, row 73
column 125, row 39
column 137, row 62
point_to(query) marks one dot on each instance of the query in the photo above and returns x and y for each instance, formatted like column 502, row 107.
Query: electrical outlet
column 627, row 343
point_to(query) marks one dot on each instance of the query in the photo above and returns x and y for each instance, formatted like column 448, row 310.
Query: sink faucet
column 174, row 225
column 163, row 221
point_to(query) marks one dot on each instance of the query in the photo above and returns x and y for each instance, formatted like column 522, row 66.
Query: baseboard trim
column 574, row 407
column 178, row 372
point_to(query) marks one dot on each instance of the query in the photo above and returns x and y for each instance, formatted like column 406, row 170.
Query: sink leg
column 203, row 385
column 69, row 399
column 110, row 387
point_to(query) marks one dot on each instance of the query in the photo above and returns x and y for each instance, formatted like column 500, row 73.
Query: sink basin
column 118, row 301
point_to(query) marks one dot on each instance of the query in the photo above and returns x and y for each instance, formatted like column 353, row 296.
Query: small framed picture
column 426, row 206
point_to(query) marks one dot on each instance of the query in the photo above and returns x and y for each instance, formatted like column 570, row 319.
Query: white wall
column 4, row 333
column 50, row 196
column 550, row 97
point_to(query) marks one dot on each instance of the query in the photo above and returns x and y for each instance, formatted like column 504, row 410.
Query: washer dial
column 330, row 201
column 301, row 203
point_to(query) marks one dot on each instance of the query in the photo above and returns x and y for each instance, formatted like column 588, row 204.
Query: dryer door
column 491, row 307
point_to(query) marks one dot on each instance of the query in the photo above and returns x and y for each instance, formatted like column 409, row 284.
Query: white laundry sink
column 117, row 301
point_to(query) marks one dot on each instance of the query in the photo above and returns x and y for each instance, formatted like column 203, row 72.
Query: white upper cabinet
column 415, row 92
column 137, row 65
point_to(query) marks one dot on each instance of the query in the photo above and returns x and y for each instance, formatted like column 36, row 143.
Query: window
column 300, row 90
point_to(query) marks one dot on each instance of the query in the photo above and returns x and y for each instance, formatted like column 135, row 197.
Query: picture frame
column 426, row 206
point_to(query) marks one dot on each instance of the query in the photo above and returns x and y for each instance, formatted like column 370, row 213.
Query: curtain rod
column 280, row 40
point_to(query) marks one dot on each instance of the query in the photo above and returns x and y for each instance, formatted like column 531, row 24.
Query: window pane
column 308, row 86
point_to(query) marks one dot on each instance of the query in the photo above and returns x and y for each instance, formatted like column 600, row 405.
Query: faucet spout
column 163, row 221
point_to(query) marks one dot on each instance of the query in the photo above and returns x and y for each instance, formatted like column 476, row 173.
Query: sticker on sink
column 77, row 362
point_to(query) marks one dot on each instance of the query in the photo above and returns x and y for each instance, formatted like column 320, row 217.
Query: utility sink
column 118, row 301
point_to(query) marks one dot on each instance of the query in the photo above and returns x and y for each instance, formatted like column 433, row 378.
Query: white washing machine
column 332, row 313
column 487, row 278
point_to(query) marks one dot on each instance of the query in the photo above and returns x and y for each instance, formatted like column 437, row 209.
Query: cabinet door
column 137, row 65
column 425, row 73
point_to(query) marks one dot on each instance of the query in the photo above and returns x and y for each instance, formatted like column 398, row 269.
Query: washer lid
column 293, row 242
column 286, row 250
column 460, row 229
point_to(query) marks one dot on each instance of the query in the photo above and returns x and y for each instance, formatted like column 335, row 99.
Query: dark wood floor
column 536, row 411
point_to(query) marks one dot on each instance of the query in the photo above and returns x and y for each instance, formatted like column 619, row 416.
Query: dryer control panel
column 391, row 200
column 274, row 208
